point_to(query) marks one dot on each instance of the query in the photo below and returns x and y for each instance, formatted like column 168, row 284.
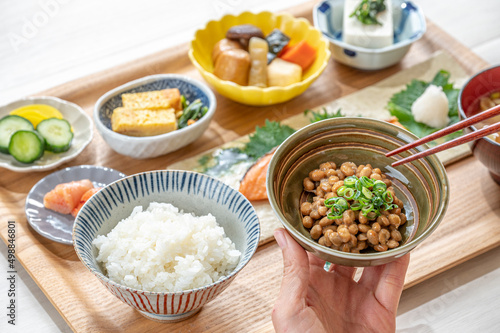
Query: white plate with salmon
column 53, row 203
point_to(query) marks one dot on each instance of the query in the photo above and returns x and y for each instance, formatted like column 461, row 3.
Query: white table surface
column 44, row 43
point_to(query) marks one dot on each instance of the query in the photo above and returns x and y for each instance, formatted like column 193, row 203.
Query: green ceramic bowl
column 422, row 185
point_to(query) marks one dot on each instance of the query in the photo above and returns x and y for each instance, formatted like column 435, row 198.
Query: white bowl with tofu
column 369, row 46
column 146, row 118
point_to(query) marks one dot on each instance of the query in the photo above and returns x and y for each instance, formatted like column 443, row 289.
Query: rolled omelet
column 145, row 122
column 158, row 99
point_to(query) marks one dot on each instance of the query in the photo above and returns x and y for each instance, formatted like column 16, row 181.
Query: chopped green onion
column 379, row 187
column 388, row 197
column 366, row 209
column 366, row 182
column 343, row 203
column 330, row 202
column 367, row 193
column 389, row 206
column 341, row 190
column 349, row 193
column 363, row 201
column 356, row 206
column 377, row 202
column 333, row 217
column 350, row 181
column 358, row 185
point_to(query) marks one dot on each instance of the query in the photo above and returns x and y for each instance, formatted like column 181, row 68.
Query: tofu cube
column 372, row 36
column 134, row 122
column 159, row 99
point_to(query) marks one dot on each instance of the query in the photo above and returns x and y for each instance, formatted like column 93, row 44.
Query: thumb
column 295, row 268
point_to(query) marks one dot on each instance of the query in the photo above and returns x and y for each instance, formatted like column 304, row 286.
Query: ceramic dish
column 297, row 29
column 485, row 149
column 189, row 191
column 50, row 224
column 422, row 185
column 82, row 130
column 409, row 26
column 152, row 146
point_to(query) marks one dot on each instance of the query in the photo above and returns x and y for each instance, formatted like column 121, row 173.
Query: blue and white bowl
column 409, row 26
column 192, row 192
column 153, row 146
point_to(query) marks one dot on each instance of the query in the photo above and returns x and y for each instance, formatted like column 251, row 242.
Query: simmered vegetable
column 224, row 45
column 301, row 54
column 258, row 49
column 277, row 41
column 233, row 65
column 242, row 33
column 283, row 73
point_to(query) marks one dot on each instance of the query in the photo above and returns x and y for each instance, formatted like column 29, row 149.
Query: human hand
column 314, row 300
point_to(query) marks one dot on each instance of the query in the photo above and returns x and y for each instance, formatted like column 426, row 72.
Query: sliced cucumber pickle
column 26, row 146
column 57, row 134
column 8, row 126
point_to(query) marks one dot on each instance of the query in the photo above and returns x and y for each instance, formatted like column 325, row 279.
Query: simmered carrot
column 64, row 197
column 253, row 185
column 301, row 54
column 86, row 196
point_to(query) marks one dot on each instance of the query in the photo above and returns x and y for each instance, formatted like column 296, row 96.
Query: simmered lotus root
column 356, row 229
column 242, row 33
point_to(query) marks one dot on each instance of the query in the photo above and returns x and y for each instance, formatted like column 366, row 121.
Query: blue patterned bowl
column 153, row 146
column 189, row 191
column 409, row 26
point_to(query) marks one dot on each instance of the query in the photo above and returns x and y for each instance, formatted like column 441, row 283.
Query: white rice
column 163, row 249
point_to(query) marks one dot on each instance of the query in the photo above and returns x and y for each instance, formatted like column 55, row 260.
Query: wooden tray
column 246, row 305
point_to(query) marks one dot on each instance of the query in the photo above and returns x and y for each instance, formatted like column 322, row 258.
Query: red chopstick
column 455, row 142
column 447, row 130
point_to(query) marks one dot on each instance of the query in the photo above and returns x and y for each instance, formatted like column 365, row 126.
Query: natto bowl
column 486, row 150
column 422, row 185
column 189, row 191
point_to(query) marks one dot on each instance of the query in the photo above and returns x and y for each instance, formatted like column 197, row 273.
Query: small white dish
column 82, row 130
column 409, row 26
column 50, row 224
column 153, row 146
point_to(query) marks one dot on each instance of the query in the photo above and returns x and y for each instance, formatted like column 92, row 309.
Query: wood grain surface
column 246, row 305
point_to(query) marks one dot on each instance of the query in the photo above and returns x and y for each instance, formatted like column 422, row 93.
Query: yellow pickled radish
column 35, row 113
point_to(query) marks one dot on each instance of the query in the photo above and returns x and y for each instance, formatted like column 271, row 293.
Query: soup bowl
column 422, row 185
column 486, row 150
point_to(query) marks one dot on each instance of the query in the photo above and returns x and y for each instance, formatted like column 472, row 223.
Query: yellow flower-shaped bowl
column 297, row 29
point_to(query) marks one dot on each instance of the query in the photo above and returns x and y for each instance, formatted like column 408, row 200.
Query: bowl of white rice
column 166, row 242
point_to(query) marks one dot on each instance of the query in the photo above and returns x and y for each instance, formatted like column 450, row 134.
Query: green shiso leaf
column 322, row 115
column 267, row 137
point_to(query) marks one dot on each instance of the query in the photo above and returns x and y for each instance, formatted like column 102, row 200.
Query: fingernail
column 280, row 238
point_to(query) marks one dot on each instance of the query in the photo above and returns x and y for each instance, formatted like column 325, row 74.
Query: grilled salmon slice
column 253, row 185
